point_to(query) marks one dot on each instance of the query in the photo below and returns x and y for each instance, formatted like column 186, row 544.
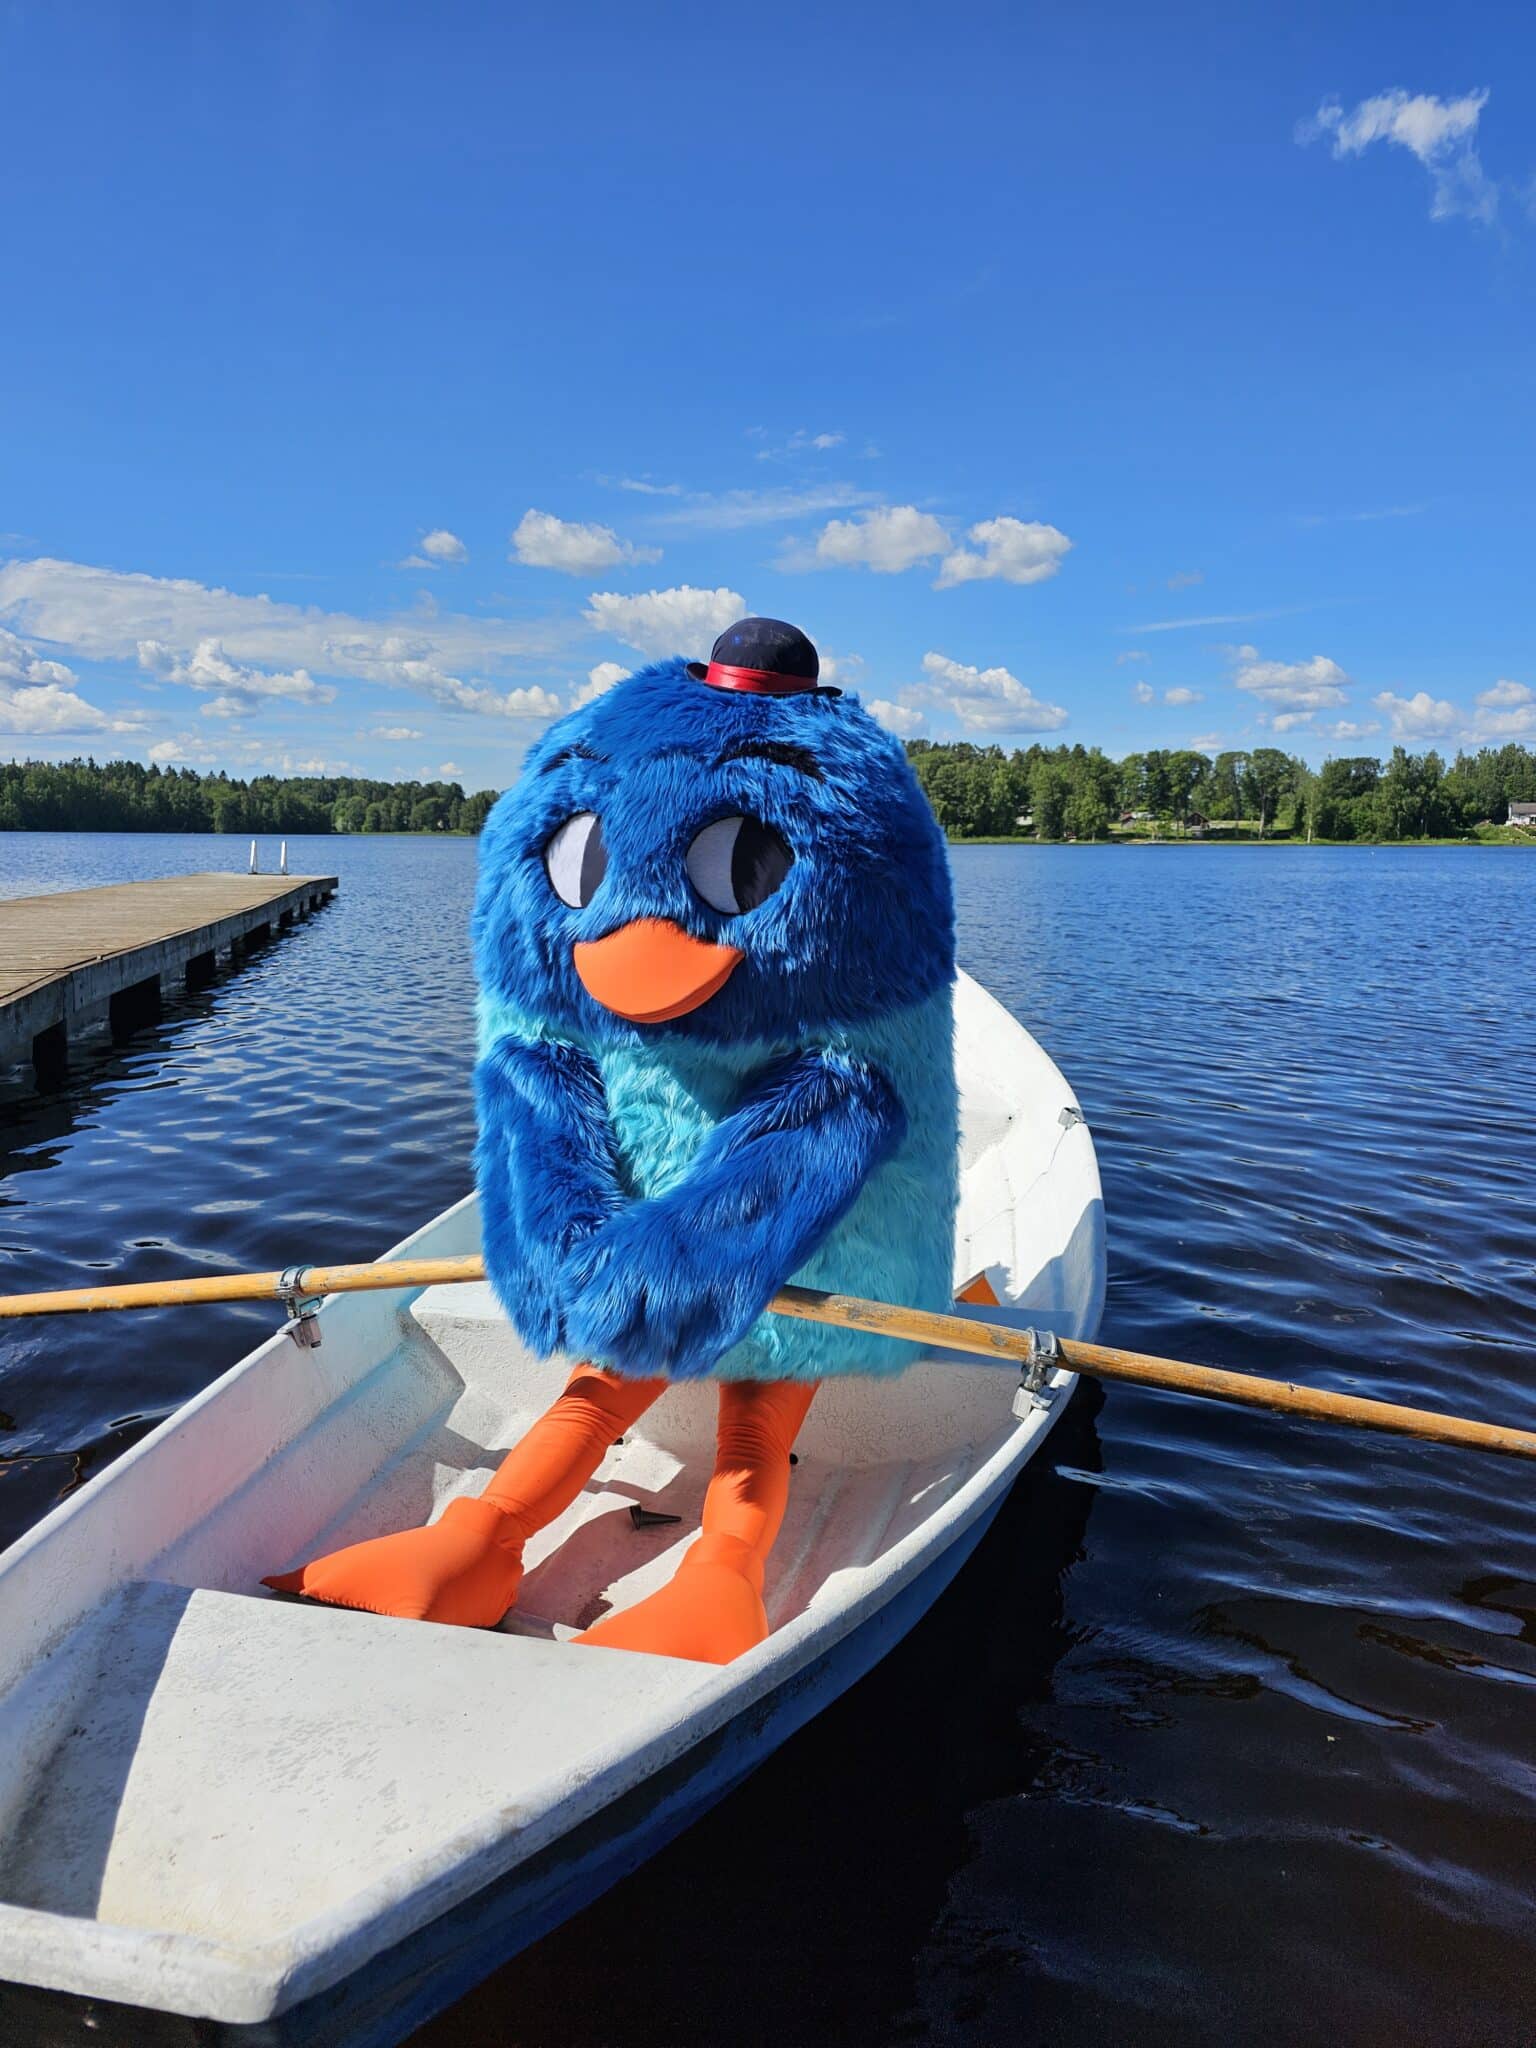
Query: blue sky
column 378, row 379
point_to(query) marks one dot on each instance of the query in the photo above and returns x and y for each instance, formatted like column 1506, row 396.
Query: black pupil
column 759, row 862
column 594, row 864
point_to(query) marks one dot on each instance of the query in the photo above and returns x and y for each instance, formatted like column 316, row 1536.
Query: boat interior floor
column 873, row 1459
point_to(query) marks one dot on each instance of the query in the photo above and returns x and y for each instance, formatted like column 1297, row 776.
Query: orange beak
column 652, row 970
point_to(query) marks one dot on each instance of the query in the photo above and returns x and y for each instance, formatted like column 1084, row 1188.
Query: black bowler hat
column 762, row 656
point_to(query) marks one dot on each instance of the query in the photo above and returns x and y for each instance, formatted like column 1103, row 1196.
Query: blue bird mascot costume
column 715, row 943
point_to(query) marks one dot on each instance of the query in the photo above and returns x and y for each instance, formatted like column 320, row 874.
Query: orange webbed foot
column 711, row 1612
column 465, row 1569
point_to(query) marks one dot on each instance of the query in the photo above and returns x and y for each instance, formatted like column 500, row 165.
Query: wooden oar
column 991, row 1342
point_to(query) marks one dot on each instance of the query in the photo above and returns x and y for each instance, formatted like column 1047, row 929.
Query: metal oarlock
column 303, row 1325
column 1032, row 1391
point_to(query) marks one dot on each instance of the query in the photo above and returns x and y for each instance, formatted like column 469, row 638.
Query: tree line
column 125, row 796
column 976, row 792
column 1080, row 793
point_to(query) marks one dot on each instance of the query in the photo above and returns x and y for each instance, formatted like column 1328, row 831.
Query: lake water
column 1228, row 1728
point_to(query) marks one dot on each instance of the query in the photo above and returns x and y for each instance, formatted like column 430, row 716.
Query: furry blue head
column 714, row 863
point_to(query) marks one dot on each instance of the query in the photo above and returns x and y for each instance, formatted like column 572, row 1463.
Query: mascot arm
column 668, row 1285
column 545, row 1168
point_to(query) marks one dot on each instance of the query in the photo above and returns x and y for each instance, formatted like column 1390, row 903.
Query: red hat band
column 760, row 682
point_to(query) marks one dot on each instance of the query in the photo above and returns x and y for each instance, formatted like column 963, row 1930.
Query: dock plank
column 63, row 955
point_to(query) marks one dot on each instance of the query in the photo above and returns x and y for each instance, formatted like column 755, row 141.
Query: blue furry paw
column 643, row 1300
column 532, row 1297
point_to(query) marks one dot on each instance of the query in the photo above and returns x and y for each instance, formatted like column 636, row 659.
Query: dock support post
column 201, row 968
column 133, row 1007
column 50, row 1056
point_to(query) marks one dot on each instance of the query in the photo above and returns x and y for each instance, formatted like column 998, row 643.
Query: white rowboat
column 322, row 1826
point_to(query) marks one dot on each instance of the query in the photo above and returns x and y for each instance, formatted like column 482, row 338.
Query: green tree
column 1410, row 800
column 1049, row 788
column 1268, row 778
column 1184, row 771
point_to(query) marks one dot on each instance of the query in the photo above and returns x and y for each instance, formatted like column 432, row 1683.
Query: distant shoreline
column 1500, row 836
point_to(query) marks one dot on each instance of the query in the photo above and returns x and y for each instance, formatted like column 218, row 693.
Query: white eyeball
column 737, row 863
column 576, row 859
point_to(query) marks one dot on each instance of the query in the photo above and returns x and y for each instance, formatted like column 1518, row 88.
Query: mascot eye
column 577, row 859
column 737, row 863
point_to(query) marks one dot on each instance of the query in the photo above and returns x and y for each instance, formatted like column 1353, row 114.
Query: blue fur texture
column 646, row 1188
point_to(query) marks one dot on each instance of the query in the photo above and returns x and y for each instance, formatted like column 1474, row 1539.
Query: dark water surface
column 1227, row 1730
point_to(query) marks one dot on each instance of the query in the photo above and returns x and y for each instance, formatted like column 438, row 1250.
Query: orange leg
column 467, row 1566
column 713, row 1608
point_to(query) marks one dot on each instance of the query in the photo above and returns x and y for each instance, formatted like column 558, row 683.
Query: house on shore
column 1523, row 813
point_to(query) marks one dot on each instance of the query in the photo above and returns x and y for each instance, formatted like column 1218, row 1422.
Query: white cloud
column 241, row 690
column 1145, row 694
column 644, row 486
column 1347, row 729
column 1419, row 716
column 1186, row 578
column 46, row 708
column 436, row 548
column 1370, row 514
column 900, row 719
column 1133, row 654
column 1505, row 725
column 1315, row 685
column 449, row 770
column 1210, row 619
column 240, row 749
column 1207, row 743
column 887, row 540
column 729, row 511
column 530, row 702
column 103, row 615
column 541, row 541
column 1506, row 712
column 38, row 695
column 21, row 664
column 1440, row 133
column 393, row 732
column 1505, row 693
column 599, row 679
column 1285, row 721
column 988, row 699
column 1012, row 550
column 682, row 620
column 797, row 444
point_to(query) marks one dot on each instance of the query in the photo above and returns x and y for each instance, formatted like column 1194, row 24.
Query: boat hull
column 240, row 1810
column 399, row 1991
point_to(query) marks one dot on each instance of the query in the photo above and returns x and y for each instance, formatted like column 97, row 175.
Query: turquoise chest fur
column 896, row 1242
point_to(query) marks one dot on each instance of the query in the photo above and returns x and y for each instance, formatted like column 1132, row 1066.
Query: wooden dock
column 84, row 955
